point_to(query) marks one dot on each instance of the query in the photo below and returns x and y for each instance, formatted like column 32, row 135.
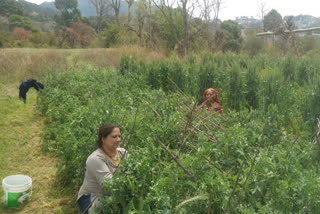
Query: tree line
column 181, row 26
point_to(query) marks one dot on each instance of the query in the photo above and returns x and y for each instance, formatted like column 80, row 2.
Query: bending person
column 25, row 85
column 211, row 100
column 100, row 165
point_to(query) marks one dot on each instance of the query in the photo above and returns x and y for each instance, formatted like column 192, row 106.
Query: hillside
column 86, row 7
column 47, row 10
column 37, row 12
column 301, row 21
column 306, row 21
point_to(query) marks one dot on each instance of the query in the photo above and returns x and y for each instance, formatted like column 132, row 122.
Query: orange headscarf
column 216, row 102
column 213, row 90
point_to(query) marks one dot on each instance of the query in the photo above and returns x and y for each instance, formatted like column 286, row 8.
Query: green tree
column 10, row 7
column 289, row 39
column 111, row 35
column 309, row 42
column 272, row 21
column 115, row 5
column 170, row 30
column 69, row 12
column 66, row 5
column 141, row 16
column 20, row 21
column 129, row 3
column 253, row 44
column 4, row 39
column 233, row 38
column 101, row 7
column 185, row 9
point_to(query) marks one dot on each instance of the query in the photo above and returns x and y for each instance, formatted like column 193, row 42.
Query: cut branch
column 233, row 190
column 209, row 161
column 194, row 179
column 210, row 199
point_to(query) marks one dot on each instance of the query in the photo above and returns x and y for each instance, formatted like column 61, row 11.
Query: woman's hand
column 217, row 108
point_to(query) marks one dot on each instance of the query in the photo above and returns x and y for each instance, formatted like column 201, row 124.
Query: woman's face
column 112, row 141
column 211, row 95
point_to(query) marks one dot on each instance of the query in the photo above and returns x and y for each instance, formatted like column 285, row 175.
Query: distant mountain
column 305, row 21
column 248, row 22
column 48, row 4
column 86, row 7
column 37, row 12
column 47, row 10
column 302, row 21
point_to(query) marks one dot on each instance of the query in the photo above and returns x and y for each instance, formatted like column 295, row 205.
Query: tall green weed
column 254, row 158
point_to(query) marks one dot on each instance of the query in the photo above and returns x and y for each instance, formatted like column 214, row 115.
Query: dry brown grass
column 103, row 57
column 18, row 64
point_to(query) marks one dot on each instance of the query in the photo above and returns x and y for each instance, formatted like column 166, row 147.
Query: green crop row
column 257, row 157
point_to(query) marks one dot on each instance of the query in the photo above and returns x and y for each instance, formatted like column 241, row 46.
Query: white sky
column 233, row 8
column 37, row 1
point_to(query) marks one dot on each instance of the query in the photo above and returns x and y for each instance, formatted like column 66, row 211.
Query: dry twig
column 194, row 179
column 234, row 189
column 208, row 160
column 210, row 200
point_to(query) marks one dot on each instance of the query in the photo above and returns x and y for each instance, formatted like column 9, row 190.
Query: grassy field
column 21, row 126
column 21, row 153
column 19, row 64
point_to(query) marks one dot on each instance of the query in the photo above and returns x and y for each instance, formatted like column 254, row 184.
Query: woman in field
column 211, row 100
column 101, row 165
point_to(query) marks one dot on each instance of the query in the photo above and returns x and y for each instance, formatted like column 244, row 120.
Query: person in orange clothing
column 211, row 100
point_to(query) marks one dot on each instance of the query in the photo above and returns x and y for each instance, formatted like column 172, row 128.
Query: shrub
column 246, row 161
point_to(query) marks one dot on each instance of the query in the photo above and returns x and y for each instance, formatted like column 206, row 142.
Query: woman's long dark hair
column 104, row 131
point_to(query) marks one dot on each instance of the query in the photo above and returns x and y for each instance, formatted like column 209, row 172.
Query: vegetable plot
column 257, row 157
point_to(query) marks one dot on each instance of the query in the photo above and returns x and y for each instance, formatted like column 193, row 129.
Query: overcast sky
column 233, row 8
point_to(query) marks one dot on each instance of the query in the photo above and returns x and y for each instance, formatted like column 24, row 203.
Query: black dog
column 25, row 85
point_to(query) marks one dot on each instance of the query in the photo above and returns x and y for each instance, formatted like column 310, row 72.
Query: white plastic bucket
column 17, row 189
